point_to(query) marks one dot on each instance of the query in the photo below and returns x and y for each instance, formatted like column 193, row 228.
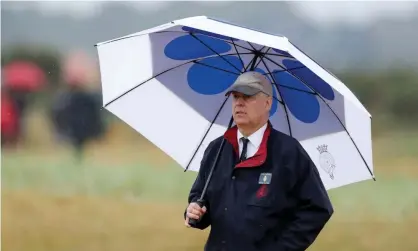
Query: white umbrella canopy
column 169, row 84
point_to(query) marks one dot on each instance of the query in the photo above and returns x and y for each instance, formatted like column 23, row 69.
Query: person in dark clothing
column 76, row 116
column 265, row 193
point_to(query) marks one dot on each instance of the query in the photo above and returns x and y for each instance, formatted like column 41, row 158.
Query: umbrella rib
column 315, row 62
column 278, row 100
column 296, row 89
column 253, row 46
column 234, row 44
column 159, row 32
column 261, row 56
column 242, row 62
column 296, row 68
column 266, row 53
column 194, row 36
column 258, row 51
column 281, row 96
column 226, row 41
column 172, row 68
column 333, row 112
column 288, row 87
column 216, row 68
column 237, row 45
column 252, row 61
column 207, row 131
column 278, row 55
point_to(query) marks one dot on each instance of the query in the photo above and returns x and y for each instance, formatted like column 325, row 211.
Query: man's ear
column 269, row 102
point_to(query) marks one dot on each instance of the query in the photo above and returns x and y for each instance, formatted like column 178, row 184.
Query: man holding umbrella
column 265, row 193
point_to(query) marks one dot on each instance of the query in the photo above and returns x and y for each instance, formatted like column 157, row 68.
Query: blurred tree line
column 390, row 95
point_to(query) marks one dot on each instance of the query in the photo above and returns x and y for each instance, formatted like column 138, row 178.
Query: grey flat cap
column 251, row 83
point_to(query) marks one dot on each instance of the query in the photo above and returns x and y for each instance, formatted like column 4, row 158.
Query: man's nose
column 239, row 100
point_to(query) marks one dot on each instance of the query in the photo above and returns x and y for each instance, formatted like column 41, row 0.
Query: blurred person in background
column 20, row 79
column 9, row 119
column 76, row 109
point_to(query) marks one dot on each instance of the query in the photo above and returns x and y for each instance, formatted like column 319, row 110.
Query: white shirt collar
column 255, row 138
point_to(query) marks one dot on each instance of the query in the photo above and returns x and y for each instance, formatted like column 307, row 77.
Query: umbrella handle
column 193, row 222
column 201, row 201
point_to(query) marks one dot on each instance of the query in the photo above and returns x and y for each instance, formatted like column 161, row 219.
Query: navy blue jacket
column 287, row 214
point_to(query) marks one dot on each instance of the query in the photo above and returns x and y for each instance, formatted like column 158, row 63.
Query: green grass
column 392, row 145
column 389, row 197
column 134, row 181
column 128, row 195
column 130, row 199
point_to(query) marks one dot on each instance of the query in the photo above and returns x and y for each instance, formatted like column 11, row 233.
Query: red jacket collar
column 260, row 157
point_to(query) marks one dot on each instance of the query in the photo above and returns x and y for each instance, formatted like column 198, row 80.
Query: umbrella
column 23, row 75
column 169, row 84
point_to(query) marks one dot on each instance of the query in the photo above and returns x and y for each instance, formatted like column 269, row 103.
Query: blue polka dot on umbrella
column 307, row 76
column 213, row 74
column 298, row 98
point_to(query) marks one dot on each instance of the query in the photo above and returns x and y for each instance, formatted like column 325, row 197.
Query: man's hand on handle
column 194, row 211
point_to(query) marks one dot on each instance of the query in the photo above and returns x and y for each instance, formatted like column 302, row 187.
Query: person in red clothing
column 20, row 78
column 9, row 120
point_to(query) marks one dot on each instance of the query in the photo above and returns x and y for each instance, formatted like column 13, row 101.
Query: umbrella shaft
column 215, row 162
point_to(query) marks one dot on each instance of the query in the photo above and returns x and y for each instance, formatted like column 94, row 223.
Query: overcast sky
column 324, row 13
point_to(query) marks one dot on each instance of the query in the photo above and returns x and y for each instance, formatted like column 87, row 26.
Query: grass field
column 131, row 196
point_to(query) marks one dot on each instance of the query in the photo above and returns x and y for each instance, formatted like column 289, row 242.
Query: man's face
column 249, row 110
